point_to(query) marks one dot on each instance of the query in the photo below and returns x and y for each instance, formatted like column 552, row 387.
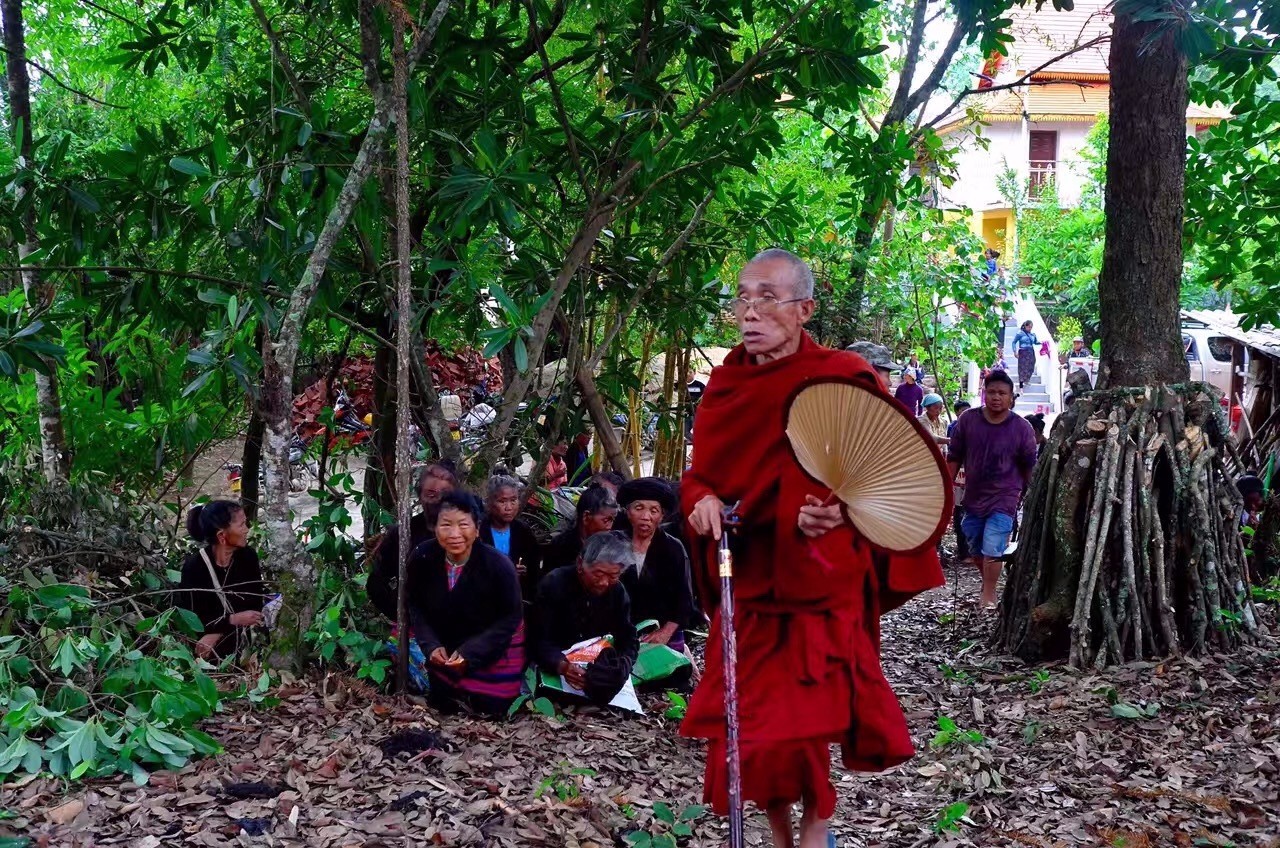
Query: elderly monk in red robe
column 809, row 593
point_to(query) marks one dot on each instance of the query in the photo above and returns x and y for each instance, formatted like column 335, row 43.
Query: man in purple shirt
column 998, row 452
column 909, row 393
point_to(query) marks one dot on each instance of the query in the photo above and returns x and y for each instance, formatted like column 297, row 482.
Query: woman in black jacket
column 596, row 512
column 466, row 612
column 222, row 581
column 503, row 530
column 658, row 580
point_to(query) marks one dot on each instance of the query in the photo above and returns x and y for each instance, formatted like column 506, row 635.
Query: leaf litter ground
column 1179, row 753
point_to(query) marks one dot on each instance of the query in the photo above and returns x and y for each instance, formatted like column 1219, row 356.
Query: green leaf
column 84, row 200
column 67, row 658
column 692, row 812
column 681, row 829
column 188, row 166
column 191, row 622
column 521, row 354
column 663, row 812
column 233, row 310
column 1123, row 710
column 639, row 839
column 304, row 134
column 544, row 707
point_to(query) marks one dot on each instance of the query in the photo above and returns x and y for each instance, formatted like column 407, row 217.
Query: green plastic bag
column 658, row 662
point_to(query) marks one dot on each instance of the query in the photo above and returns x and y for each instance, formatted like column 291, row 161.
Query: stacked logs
column 1130, row 545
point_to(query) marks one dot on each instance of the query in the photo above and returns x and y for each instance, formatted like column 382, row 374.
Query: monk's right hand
column 439, row 657
column 705, row 518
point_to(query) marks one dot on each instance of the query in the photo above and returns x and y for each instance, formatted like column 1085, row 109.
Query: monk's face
column 771, row 326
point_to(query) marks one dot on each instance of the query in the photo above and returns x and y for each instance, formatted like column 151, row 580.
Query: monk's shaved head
column 801, row 276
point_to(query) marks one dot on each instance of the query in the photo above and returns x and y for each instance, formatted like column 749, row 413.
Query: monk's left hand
column 817, row 520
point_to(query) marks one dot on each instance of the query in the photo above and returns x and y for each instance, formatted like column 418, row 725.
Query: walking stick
column 729, row 643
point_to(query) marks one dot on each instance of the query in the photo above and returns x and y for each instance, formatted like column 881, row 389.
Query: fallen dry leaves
column 1055, row 766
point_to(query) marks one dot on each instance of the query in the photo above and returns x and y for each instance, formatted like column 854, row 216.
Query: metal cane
column 729, row 643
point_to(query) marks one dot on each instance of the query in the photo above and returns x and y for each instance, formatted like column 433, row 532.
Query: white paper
column 625, row 699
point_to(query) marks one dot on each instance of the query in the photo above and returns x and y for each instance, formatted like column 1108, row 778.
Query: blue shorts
column 987, row 535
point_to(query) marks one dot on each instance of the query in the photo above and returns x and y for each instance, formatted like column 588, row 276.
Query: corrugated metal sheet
column 1265, row 338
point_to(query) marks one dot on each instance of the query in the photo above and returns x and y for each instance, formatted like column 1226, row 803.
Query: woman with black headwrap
column 658, row 578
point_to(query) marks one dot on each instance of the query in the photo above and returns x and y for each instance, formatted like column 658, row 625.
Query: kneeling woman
column 222, row 581
column 658, row 578
column 466, row 612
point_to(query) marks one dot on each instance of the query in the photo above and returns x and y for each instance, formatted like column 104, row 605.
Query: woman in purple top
column 909, row 393
column 997, row 450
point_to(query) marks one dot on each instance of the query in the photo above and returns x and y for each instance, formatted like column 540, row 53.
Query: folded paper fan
column 875, row 459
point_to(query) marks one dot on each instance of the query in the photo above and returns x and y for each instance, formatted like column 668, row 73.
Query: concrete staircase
column 1035, row 397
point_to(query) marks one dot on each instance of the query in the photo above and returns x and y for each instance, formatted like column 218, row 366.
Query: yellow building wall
column 998, row 228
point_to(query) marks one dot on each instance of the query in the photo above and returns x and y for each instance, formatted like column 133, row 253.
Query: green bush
column 90, row 686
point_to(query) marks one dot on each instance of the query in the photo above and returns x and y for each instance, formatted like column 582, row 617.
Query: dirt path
column 1039, row 758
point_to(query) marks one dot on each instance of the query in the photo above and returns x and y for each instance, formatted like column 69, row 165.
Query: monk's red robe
column 807, row 611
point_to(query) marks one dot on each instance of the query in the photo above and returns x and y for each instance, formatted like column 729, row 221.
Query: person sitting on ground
column 879, row 358
column 932, row 418
column 434, row 482
column 466, row 613
column 586, row 601
column 1077, row 348
column 657, row 580
column 502, row 530
column 578, row 459
column 222, row 581
column 596, row 512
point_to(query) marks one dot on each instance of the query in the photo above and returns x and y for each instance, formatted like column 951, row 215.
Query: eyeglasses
column 765, row 306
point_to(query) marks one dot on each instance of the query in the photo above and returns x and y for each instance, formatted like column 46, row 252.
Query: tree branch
column 922, row 94
column 898, row 106
column 600, row 212
column 556, row 99
column 282, row 58
column 53, row 78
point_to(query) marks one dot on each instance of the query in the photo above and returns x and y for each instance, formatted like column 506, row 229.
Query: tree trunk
column 1146, row 159
column 1148, row 559
column 380, row 474
column 404, row 339
column 251, row 466
column 54, row 456
column 606, row 439
column 288, row 562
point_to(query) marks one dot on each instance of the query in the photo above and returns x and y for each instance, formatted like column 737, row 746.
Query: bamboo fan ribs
column 874, row 459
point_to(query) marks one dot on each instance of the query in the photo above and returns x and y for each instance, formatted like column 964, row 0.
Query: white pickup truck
column 1208, row 359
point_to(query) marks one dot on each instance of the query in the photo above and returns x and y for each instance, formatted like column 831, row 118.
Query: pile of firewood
column 1130, row 541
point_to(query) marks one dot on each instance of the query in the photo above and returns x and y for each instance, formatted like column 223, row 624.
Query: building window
column 1043, row 160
